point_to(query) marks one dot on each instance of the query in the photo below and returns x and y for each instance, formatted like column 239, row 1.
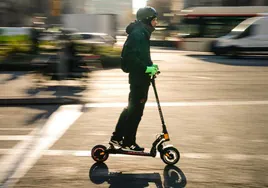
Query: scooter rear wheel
column 99, row 153
column 170, row 155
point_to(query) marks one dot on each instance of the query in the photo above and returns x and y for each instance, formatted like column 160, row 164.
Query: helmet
column 146, row 14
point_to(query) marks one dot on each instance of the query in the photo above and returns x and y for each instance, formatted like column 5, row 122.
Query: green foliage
column 110, row 56
column 84, row 48
column 13, row 44
column 48, row 45
column 16, row 38
column 108, row 51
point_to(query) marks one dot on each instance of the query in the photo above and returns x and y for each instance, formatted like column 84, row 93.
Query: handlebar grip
column 154, row 76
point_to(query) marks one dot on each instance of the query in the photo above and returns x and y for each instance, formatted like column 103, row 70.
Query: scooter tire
column 99, row 153
column 170, row 155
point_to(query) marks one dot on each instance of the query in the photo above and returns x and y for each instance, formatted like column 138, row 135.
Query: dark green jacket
column 137, row 53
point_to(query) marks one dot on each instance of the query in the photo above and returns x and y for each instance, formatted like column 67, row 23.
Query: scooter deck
column 112, row 150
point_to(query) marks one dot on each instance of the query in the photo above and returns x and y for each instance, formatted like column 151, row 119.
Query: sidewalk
column 22, row 88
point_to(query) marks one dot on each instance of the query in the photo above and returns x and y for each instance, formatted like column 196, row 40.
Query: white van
column 250, row 35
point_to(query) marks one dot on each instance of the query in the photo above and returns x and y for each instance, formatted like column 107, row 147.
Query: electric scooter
column 169, row 154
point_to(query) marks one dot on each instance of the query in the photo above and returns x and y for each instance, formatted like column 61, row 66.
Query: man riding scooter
column 136, row 57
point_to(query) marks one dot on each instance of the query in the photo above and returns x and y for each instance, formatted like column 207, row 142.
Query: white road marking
column 16, row 129
column 180, row 104
column 10, row 161
column 111, row 86
column 54, row 128
column 15, row 137
column 87, row 153
column 99, row 133
column 199, row 77
column 25, row 154
column 204, row 156
column 259, row 141
column 237, row 157
column 197, row 155
column 203, row 77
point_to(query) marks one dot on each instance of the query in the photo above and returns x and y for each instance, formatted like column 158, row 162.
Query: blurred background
column 37, row 27
column 61, row 82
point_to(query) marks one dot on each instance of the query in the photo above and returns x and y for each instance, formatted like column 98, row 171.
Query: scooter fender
column 161, row 147
column 167, row 146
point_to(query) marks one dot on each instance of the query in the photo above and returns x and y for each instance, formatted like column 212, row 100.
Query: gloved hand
column 156, row 66
column 152, row 70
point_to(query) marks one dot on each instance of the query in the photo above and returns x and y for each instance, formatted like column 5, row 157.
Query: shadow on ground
column 238, row 61
column 173, row 177
column 47, row 112
column 58, row 91
column 20, row 90
column 11, row 76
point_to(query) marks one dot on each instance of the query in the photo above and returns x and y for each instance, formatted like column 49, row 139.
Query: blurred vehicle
column 199, row 26
column 49, row 39
column 165, row 35
column 49, row 36
column 92, row 38
column 249, row 36
column 86, row 42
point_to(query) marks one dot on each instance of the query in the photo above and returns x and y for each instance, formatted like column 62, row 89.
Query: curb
column 38, row 101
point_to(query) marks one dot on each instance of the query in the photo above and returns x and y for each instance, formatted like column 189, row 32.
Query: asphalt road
column 215, row 108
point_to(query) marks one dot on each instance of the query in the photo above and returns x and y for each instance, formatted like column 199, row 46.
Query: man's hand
column 152, row 70
column 156, row 66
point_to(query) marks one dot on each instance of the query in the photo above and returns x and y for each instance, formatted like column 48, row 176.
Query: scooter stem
column 158, row 105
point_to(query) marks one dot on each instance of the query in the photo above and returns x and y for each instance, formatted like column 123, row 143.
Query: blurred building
column 163, row 7
column 15, row 13
column 198, row 3
column 4, row 11
column 122, row 8
column 174, row 6
column 166, row 9
column 74, row 6
column 195, row 3
column 177, row 5
column 244, row 2
column 261, row 2
column 12, row 13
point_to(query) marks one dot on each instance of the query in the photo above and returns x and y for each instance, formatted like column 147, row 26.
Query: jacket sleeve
column 132, row 53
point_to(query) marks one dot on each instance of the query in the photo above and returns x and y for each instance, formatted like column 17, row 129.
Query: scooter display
column 169, row 154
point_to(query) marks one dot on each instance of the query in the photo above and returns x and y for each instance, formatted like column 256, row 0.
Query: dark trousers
column 130, row 118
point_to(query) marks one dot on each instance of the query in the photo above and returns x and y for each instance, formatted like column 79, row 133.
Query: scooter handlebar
column 154, row 76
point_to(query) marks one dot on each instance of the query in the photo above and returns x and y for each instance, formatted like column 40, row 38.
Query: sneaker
column 116, row 143
column 133, row 147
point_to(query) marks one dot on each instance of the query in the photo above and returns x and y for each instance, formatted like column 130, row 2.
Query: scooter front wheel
column 99, row 153
column 170, row 155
